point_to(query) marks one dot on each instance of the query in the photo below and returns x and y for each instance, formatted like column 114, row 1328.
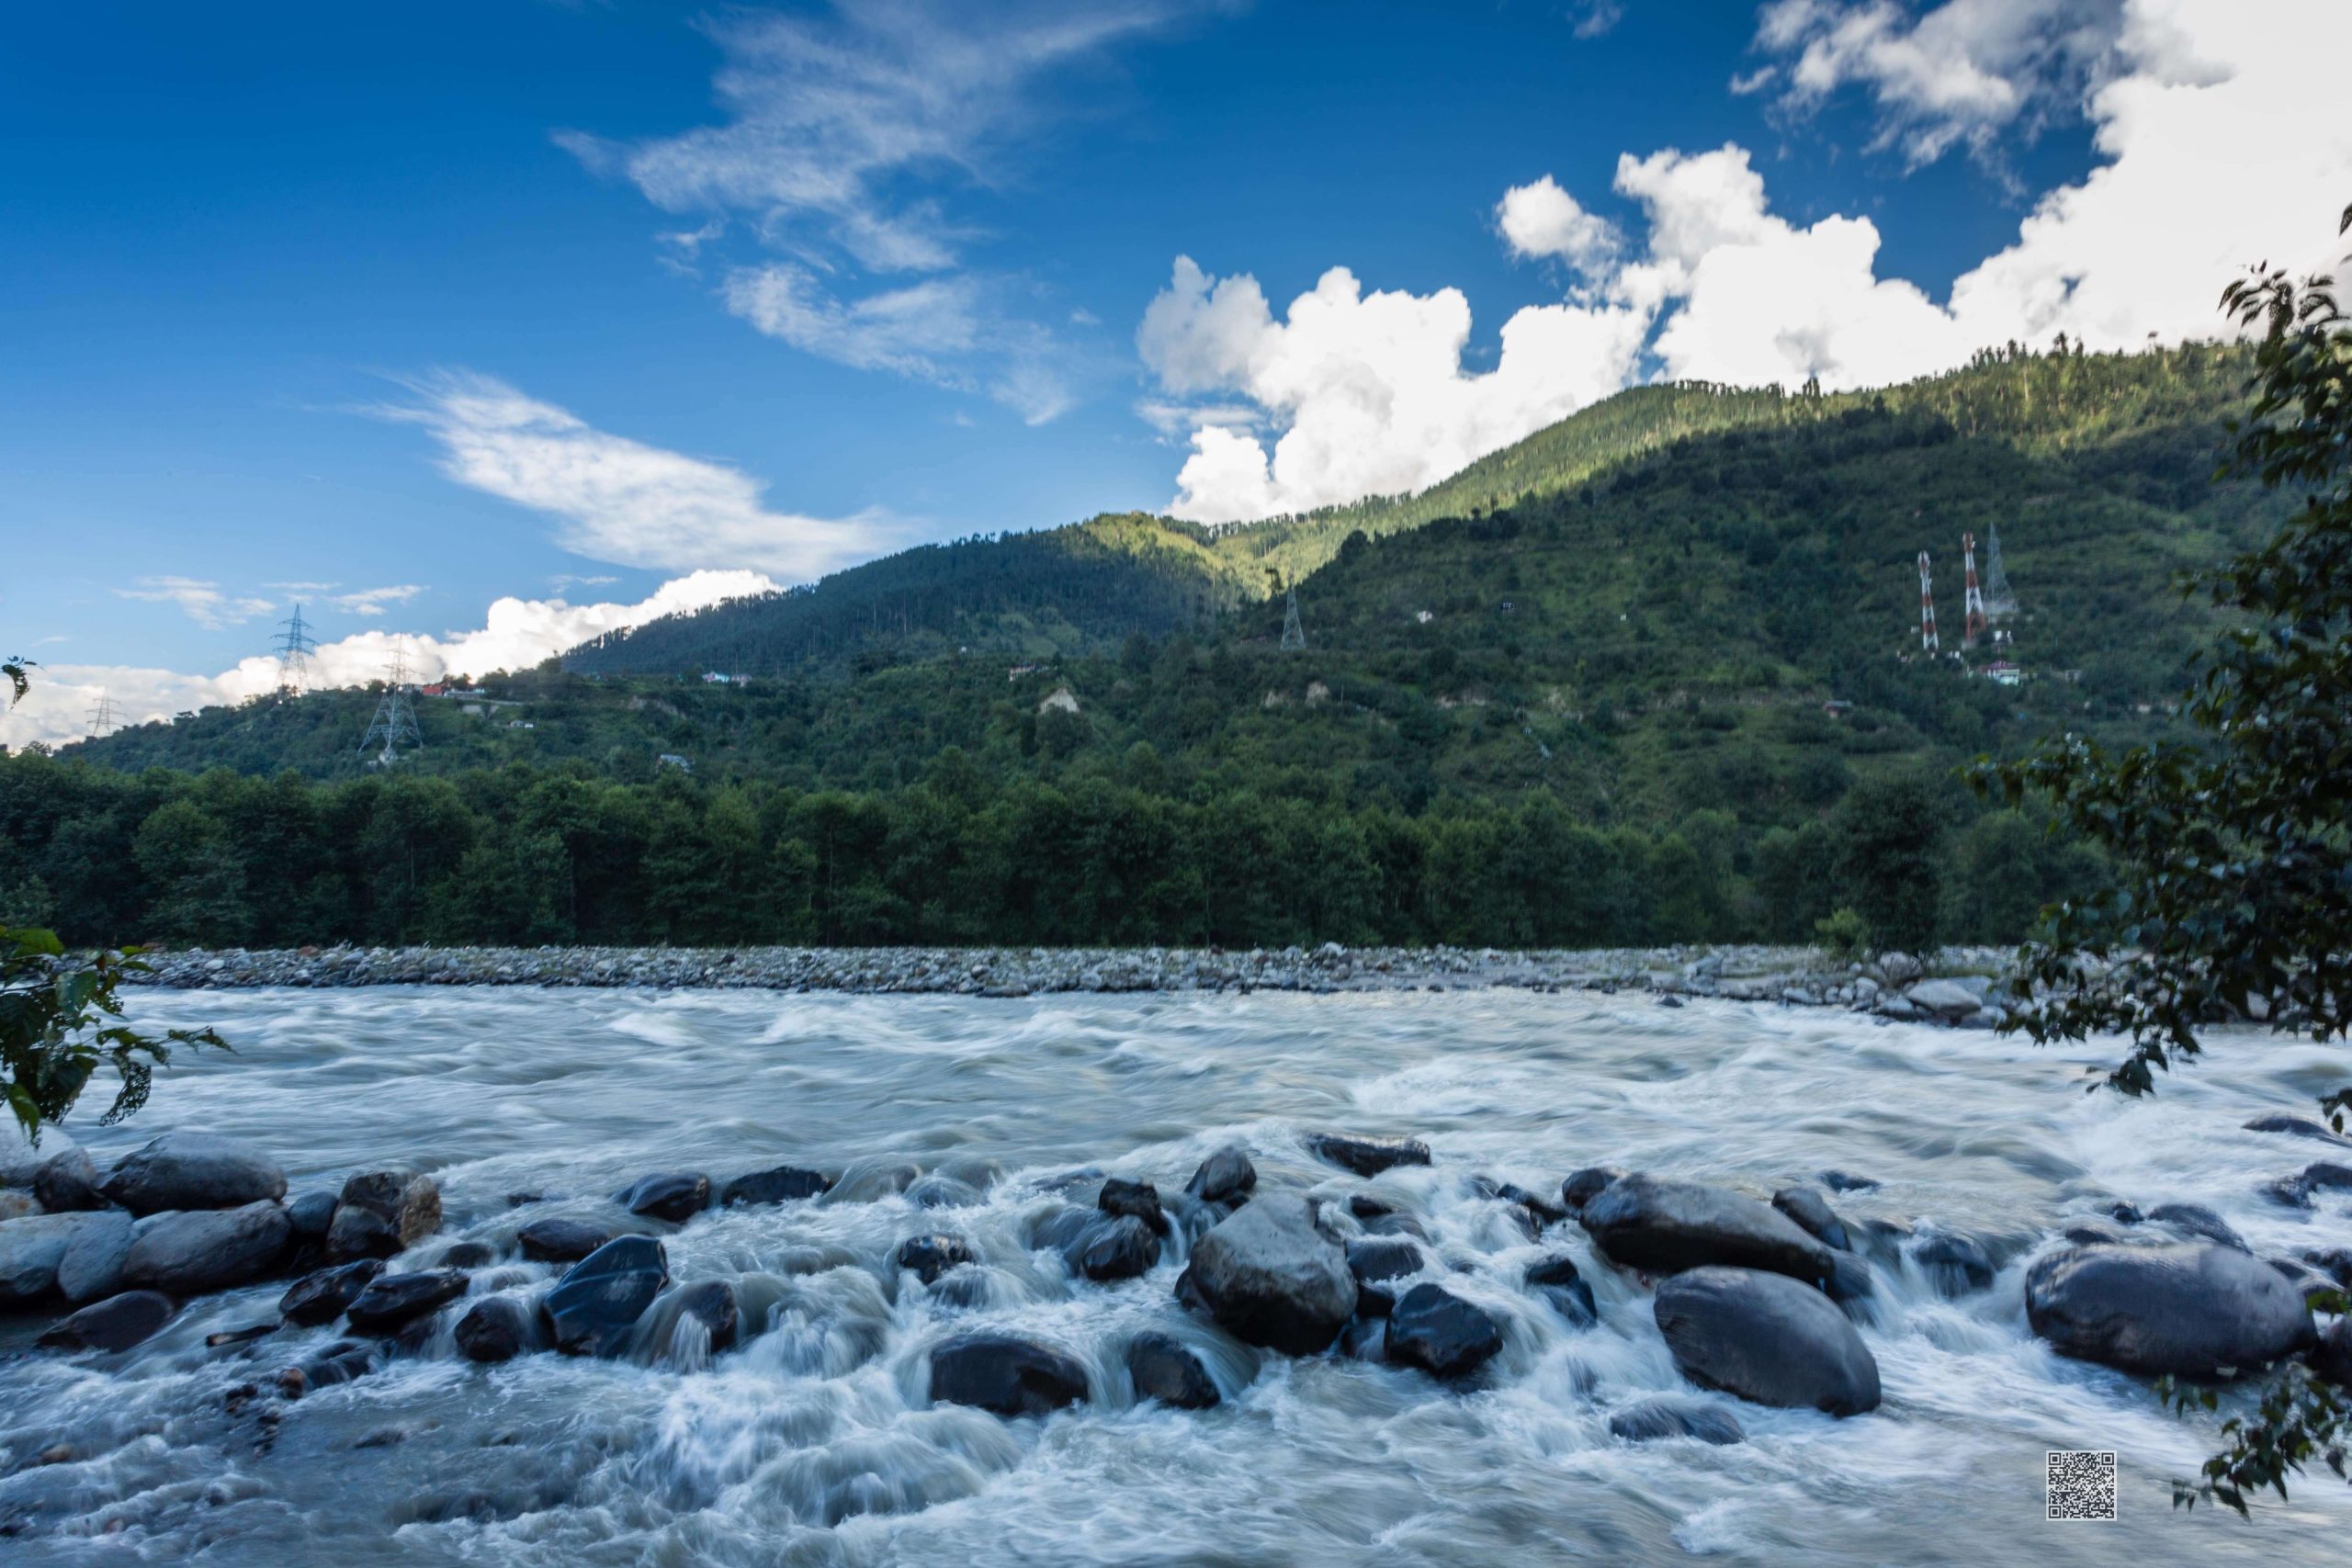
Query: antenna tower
column 1973, row 602
column 294, row 649
column 1927, row 643
column 1293, row 635
column 101, row 714
column 1999, row 603
column 395, row 720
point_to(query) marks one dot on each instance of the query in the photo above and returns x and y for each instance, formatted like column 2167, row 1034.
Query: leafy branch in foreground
column 2233, row 896
column 60, row 1019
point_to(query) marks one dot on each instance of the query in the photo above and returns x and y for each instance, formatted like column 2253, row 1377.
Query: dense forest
column 1651, row 675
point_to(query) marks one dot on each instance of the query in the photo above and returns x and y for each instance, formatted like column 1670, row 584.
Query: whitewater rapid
column 813, row 1443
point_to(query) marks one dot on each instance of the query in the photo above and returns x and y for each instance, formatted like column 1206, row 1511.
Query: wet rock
column 382, row 1212
column 2332, row 1358
column 114, row 1323
column 1654, row 1420
column 2192, row 1309
column 1119, row 1248
column 1059, row 1230
column 68, row 1183
column 18, row 1204
column 712, row 1303
column 311, row 1216
column 1541, row 1212
column 246, row 1335
column 1165, row 1370
column 1365, row 1338
column 1006, row 1375
column 91, row 1265
column 186, row 1255
column 1663, row 1227
column 2322, row 1176
column 560, row 1241
column 340, row 1362
column 1562, row 1288
column 938, row 1190
column 392, row 1302
column 1226, row 1176
column 1583, row 1186
column 1270, row 1278
column 1768, row 1339
column 193, row 1170
column 1367, row 1156
column 498, row 1328
column 867, row 1181
column 1811, row 1211
column 1953, row 1263
column 676, row 1196
column 1945, row 998
column 1849, row 1282
column 467, row 1254
column 2335, row 1262
column 2124, row 1213
column 1380, row 1217
column 929, row 1257
column 2196, row 1219
column 2309, row 1282
column 2298, row 1127
column 594, row 1307
column 327, row 1294
column 1376, row 1259
column 1846, row 1181
column 2095, row 1233
column 784, row 1184
column 1138, row 1199
column 1432, row 1329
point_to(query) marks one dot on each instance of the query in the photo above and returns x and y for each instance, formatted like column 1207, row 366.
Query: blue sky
column 402, row 314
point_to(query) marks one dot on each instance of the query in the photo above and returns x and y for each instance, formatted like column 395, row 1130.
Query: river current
column 813, row 1443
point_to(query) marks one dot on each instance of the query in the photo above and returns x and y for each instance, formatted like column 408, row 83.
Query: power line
column 395, row 720
column 101, row 715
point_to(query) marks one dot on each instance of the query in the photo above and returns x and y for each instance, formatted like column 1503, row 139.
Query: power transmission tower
column 1972, row 604
column 1927, row 643
column 101, row 715
column 294, row 648
column 1293, row 635
column 395, row 720
column 2000, row 604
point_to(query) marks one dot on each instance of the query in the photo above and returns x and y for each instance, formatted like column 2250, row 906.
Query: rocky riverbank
column 1951, row 987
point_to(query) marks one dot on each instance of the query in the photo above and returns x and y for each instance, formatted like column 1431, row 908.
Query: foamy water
column 814, row 1444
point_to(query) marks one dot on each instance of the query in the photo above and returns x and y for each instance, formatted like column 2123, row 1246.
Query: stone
column 940, row 1190
column 1365, row 1338
column 382, row 1212
column 593, row 1309
column 340, row 1362
column 392, row 1302
column 1119, row 1248
column 713, row 1303
column 1654, row 1420
column 1767, row 1338
column 1557, row 1280
column 2335, row 1262
column 467, row 1254
column 327, row 1294
column 1583, row 1186
column 1945, row 998
column 18, row 1204
column 2196, row 1220
column 2298, row 1127
column 1226, row 1176
column 1898, row 968
column 498, row 1328
column 2321, row 1176
column 784, row 1184
column 1846, row 1181
column 929, row 1257
column 2192, row 1309
column 1538, row 1212
column 1811, row 1211
column 1005, row 1374
column 1849, row 1280
column 2332, row 1359
column 1268, row 1277
column 114, row 1323
column 187, row 1254
column 193, row 1170
column 1376, row 1259
column 1138, row 1199
column 1954, row 1263
column 1662, row 1226
column 91, row 1265
column 1165, row 1370
column 1367, row 1156
column 676, row 1196
column 68, row 1183
column 311, row 1216
column 560, row 1241
column 1432, row 1329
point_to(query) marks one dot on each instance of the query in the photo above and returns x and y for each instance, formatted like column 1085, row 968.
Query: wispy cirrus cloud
column 204, row 603
column 373, row 601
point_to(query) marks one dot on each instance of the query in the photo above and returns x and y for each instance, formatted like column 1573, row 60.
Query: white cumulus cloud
column 1542, row 220
column 204, row 603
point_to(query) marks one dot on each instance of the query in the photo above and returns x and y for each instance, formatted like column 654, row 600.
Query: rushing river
column 812, row 1444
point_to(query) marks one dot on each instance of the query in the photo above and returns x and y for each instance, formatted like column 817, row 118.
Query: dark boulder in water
column 1653, row 1419
column 1365, row 1338
column 1849, row 1282
column 560, row 1241
column 193, row 1170
column 392, row 1302
column 2322, row 1176
column 1562, row 1285
column 712, row 1303
column 67, row 1182
column 1844, row 1182
column 1540, row 1209
column 208, row 1250
column 467, row 1254
column 1954, row 1263
column 2298, row 1127
column 929, row 1257
column 1583, row 1186
column 1368, row 1157
column 1376, row 1259
column 1432, row 1329
column 498, row 1328
column 311, row 1216
column 1811, row 1211
column 382, row 1212
column 1005, row 1374
column 114, row 1323
column 339, row 1362
column 327, row 1294
column 1118, row 1249
column 1137, row 1199
column 1663, row 1227
column 2192, row 1309
column 2332, row 1359
column 593, row 1309
column 1270, row 1278
column 1767, row 1338
column 1060, row 1229
column 1164, row 1369
column 1226, row 1176
column 676, row 1196
column 784, row 1184
column 2196, row 1220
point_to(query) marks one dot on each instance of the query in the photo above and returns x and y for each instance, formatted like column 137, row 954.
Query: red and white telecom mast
column 1927, row 643
column 1973, row 603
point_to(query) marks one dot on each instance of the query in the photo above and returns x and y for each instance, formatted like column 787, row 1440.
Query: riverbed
column 814, row 1443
